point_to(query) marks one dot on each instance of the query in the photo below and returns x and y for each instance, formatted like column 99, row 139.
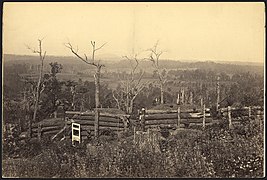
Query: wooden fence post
column 183, row 96
column 143, row 119
column 39, row 131
column 218, row 94
column 229, row 117
column 249, row 112
column 204, row 117
column 178, row 117
column 178, row 99
column 191, row 97
column 125, row 123
column 134, row 134
column 96, row 122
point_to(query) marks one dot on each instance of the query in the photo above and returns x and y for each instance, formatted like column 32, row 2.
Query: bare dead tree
column 40, row 85
column 131, row 86
column 154, row 57
column 98, row 66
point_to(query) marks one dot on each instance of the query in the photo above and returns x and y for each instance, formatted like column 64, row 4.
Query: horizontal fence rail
column 115, row 122
column 174, row 118
column 148, row 119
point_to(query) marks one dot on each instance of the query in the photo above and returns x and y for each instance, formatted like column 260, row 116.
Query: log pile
column 170, row 118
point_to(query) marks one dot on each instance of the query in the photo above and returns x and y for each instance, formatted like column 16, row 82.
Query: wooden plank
column 101, row 123
column 173, row 121
column 93, row 114
column 100, row 120
column 166, row 121
column 103, row 119
column 200, row 120
column 151, row 111
column 91, row 128
column 161, row 116
column 51, row 132
column 184, row 118
column 161, row 125
column 48, row 124
column 243, row 108
column 79, row 113
column 45, row 129
column 166, row 116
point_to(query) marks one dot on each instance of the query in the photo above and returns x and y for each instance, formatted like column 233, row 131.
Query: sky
column 185, row 31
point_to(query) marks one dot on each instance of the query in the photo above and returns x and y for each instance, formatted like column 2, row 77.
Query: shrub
column 216, row 152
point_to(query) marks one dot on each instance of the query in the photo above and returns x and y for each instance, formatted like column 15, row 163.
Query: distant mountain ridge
column 117, row 62
column 113, row 57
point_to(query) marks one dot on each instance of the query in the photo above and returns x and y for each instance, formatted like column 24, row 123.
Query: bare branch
column 44, row 55
column 85, row 57
column 100, row 46
column 93, row 43
column 69, row 46
column 116, row 99
column 31, row 49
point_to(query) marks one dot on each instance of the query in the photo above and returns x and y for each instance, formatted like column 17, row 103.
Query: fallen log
column 101, row 118
column 152, row 111
column 166, row 121
column 200, row 120
column 101, row 123
column 50, row 132
column 49, row 124
column 44, row 129
column 91, row 128
column 161, row 126
column 93, row 114
column 161, row 116
column 61, row 131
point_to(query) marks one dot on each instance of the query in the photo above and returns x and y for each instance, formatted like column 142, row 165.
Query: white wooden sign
column 75, row 132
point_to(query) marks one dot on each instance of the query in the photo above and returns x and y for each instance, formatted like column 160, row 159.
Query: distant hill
column 118, row 63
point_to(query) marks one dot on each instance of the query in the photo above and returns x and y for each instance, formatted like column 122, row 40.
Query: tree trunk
column 38, row 90
column 131, row 106
column 73, row 104
column 97, row 101
column 161, row 93
column 37, row 99
column 218, row 96
column 182, row 96
column 97, row 87
column 127, row 98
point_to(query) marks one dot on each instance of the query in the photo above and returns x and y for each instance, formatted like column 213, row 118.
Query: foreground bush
column 215, row 152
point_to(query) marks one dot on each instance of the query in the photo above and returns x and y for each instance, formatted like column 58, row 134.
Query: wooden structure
column 174, row 118
column 114, row 122
column 75, row 132
column 61, row 127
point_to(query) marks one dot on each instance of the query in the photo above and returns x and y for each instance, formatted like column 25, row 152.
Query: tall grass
column 215, row 152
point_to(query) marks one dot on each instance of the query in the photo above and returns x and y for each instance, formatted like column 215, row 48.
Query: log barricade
column 50, row 127
column 243, row 113
column 107, row 121
column 173, row 118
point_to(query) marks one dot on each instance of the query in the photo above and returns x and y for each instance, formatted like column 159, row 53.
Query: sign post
column 75, row 132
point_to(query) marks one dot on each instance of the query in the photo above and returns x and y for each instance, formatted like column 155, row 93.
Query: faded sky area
column 186, row 31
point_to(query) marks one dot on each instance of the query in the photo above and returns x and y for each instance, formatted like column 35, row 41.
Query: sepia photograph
column 133, row 90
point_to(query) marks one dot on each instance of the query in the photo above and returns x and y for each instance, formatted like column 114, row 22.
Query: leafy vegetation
column 215, row 152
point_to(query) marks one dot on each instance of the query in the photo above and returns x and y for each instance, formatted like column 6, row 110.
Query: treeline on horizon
column 29, row 64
